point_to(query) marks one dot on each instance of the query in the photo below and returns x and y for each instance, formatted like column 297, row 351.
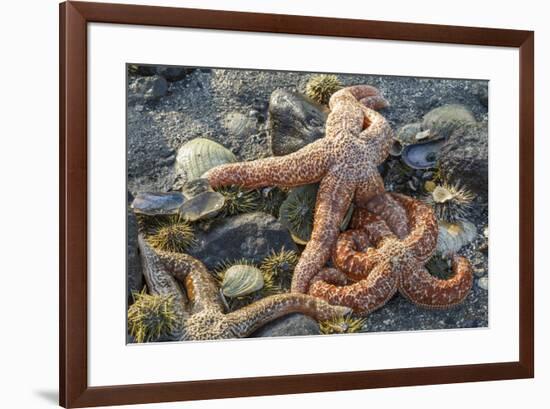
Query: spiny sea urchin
column 296, row 212
column 238, row 200
column 280, row 265
column 171, row 233
column 151, row 317
column 346, row 325
column 321, row 87
column 272, row 199
column 451, row 203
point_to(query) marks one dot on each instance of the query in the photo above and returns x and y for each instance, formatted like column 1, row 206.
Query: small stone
column 290, row 325
column 483, row 283
column 479, row 272
column 174, row 73
column 147, row 88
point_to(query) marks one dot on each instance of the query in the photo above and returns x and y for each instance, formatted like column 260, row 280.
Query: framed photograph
column 256, row 204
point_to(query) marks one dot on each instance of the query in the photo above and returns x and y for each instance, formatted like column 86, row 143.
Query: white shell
column 202, row 206
column 241, row 279
column 198, row 156
column 452, row 237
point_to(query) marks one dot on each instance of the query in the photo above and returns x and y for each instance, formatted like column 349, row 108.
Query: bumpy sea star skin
column 357, row 140
column 201, row 309
column 394, row 263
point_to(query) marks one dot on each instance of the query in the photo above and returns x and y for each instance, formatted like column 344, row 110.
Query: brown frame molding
column 73, row 382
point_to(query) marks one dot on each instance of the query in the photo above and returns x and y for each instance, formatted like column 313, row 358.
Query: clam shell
column 156, row 204
column 202, row 206
column 442, row 121
column 241, row 279
column 238, row 124
column 195, row 187
column 199, row 155
column 422, row 155
column 453, row 236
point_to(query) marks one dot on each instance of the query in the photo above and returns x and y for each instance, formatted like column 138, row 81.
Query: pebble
column 483, row 283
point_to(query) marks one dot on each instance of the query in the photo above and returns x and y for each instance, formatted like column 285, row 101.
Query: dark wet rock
column 481, row 90
column 134, row 274
column 465, row 157
column 147, row 89
column 173, row 73
column 252, row 236
column 294, row 121
column 142, row 70
column 290, row 325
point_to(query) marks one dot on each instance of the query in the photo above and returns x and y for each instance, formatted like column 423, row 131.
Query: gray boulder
column 252, row 236
column 293, row 122
column 147, row 89
column 464, row 158
column 288, row 326
column 134, row 275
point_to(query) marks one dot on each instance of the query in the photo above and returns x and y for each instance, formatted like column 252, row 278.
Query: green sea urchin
column 280, row 265
column 151, row 317
column 321, row 87
column 345, row 325
column 451, row 203
column 239, row 200
column 171, row 233
column 296, row 212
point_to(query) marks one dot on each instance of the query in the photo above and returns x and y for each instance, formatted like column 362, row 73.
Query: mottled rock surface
column 465, row 157
column 252, row 236
column 290, row 325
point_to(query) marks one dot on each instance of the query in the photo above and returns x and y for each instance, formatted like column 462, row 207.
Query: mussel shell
column 202, row 206
column 200, row 155
column 422, row 155
column 241, row 279
column 442, row 121
column 157, row 203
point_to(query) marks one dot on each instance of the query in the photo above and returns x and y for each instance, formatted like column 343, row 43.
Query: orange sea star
column 357, row 139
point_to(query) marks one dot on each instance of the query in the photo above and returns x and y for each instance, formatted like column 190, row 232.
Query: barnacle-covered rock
column 293, row 122
column 453, row 236
column 197, row 156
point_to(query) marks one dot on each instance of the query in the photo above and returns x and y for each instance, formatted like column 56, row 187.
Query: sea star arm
column 368, row 189
column 246, row 320
column 199, row 284
column 364, row 296
column 419, row 286
column 333, row 200
column 353, row 256
column 390, row 210
column 307, row 165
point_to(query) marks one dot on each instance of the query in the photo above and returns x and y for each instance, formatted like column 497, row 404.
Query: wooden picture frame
column 74, row 389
